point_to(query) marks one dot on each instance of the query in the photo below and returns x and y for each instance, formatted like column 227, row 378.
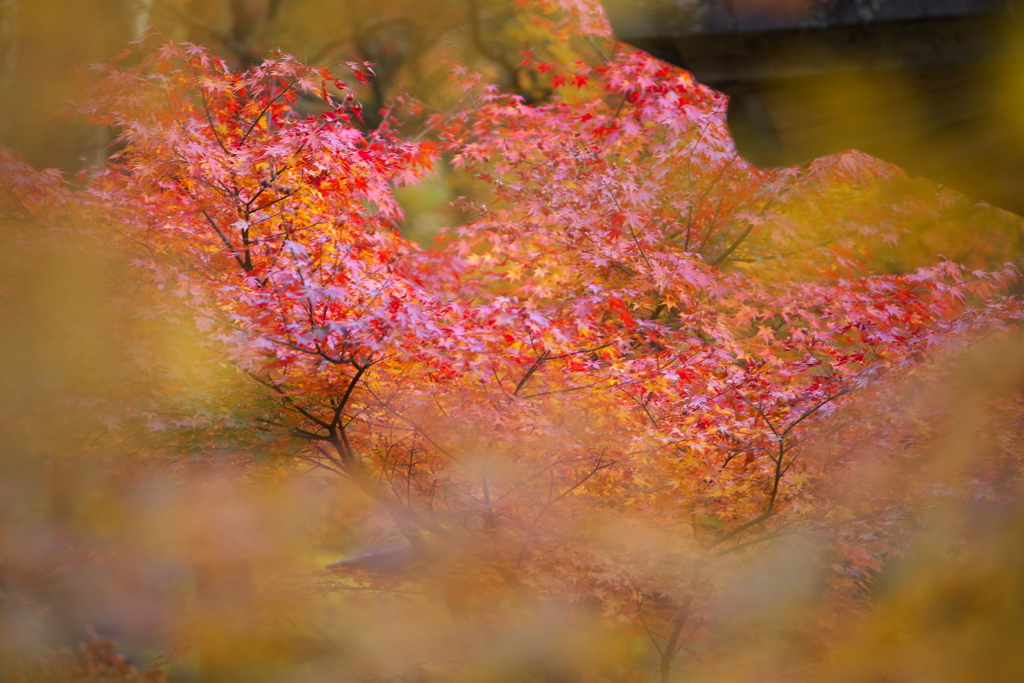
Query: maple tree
column 638, row 365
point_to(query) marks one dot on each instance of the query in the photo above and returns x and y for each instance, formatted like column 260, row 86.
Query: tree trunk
column 8, row 59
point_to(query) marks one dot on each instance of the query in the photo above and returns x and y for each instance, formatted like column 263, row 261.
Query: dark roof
column 649, row 18
column 931, row 85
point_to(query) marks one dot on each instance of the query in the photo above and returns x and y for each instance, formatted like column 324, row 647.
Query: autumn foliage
column 641, row 386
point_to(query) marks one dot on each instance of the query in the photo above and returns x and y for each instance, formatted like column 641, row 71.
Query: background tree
column 46, row 45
